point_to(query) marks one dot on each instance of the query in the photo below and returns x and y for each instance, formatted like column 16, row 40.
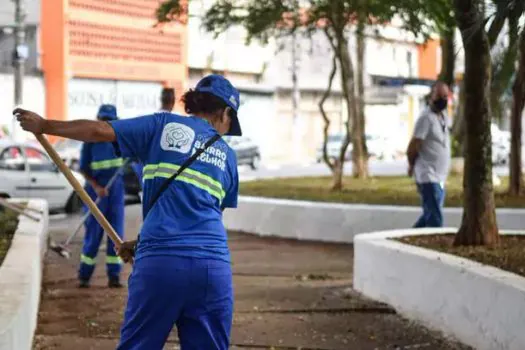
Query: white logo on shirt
column 177, row 137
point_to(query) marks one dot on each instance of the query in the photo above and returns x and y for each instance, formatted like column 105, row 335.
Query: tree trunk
column 479, row 225
column 448, row 58
column 360, row 66
column 337, row 184
column 359, row 165
column 326, row 120
column 518, row 102
column 338, row 165
column 339, row 43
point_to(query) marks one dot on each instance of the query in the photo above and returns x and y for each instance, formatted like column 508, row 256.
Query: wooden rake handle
column 80, row 190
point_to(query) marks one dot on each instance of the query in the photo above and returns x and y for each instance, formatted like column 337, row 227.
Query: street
column 288, row 295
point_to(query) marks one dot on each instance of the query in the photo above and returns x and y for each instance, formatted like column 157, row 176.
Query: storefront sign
column 131, row 98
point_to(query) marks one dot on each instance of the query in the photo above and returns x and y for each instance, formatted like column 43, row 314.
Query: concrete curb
column 20, row 281
column 333, row 222
column 480, row 305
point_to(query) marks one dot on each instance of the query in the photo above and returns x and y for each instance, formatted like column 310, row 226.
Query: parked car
column 27, row 172
column 380, row 147
column 333, row 148
column 246, row 150
column 69, row 150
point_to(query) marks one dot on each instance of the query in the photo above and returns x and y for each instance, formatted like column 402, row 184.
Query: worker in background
column 98, row 164
column 167, row 101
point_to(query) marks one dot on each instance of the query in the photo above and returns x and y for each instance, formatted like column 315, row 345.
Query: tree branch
column 502, row 12
column 326, row 95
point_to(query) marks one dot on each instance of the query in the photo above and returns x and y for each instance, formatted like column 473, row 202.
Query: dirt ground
column 288, row 295
column 508, row 255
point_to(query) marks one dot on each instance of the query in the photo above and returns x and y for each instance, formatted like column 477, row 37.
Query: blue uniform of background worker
column 98, row 163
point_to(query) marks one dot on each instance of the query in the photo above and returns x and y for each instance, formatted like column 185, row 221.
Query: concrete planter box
column 333, row 222
column 480, row 305
column 20, row 281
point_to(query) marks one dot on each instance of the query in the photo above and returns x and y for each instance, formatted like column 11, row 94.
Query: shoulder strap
column 186, row 164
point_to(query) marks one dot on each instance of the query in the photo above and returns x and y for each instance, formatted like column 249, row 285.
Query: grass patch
column 389, row 190
column 509, row 256
column 8, row 225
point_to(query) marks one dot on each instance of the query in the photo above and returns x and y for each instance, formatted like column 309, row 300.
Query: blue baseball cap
column 221, row 87
column 107, row 111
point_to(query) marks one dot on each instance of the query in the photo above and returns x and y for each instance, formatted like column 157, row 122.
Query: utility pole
column 20, row 53
column 296, row 94
column 296, row 99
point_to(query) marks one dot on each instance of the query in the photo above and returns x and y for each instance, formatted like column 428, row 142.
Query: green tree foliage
column 264, row 19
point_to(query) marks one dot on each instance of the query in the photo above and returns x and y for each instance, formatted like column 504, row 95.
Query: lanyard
column 183, row 167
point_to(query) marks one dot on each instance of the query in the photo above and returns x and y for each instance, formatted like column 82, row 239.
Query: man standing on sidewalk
column 429, row 156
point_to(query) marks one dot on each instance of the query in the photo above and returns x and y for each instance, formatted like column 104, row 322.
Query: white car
column 500, row 145
column 69, row 151
column 333, row 148
column 380, row 147
column 26, row 171
column 246, row 150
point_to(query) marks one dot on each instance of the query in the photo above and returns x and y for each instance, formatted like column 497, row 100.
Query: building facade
column 398, row 73
column 89, row 52
column 97, row 51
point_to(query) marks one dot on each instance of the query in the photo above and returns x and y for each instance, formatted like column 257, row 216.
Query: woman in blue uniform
column 182, row 274
column 99, row 163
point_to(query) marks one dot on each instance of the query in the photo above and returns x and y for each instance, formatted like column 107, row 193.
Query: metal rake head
column 60, row 250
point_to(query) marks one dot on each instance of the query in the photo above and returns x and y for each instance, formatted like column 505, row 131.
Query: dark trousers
column 432, row 199
column 112, row 207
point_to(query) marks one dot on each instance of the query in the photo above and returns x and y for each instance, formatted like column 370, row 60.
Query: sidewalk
column 288, row 295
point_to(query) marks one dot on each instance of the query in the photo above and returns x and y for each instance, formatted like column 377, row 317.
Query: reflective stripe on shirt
column 107, row 164
column 189, row 176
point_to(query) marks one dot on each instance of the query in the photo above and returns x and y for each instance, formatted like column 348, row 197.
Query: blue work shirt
column 100, row 161
column 186, row 220
column 137, row 169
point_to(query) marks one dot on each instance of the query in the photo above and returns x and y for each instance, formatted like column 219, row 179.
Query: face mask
column 440, row 104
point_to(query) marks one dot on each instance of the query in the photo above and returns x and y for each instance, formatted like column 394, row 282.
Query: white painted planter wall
column 336, row 222
column 20, row 281
column 480, row 305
